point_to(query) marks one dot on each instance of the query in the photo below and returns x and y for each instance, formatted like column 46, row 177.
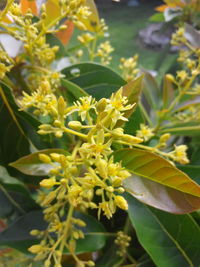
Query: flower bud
column 131, row 139
column 55, row 157
column 57, row 123
column 75, row 125
column 35, row 249
column 61, row 106
column 102, row 168
column 121, row 202
column 170, row 77
column 34, row 232
column 48, row 183
column 44, row 158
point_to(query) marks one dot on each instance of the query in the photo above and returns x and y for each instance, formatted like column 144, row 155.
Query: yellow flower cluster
column 123, row 242
column 32, row 33
column 185, row 80
column 86, row 178
column 6, row 63
column 103, row 50
column 129, row 68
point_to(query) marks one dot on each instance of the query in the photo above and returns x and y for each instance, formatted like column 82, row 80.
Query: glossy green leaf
column 133, row 124
column 18, row 235
column 153, row 167
column 32, row 165
column 97, row 80
column 74, row 89
column 160, row 196
column 170, row 240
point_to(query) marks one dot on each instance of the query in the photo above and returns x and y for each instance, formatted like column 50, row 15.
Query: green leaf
column 13, row 143
column 11, row 183
column 95, row 79
column 170, row 240
column 6, row 208
column 151, row 166
column 191, row 170
column 18, row 129
column 54, row 41
column 14, row 196
column 94, row 234
column 133, row 124
column 32, row 165
column 160, row 196
column 74, row 89
column 18, row 235
column 183, row 129
column 109, row 257
column 151, row 91
column 157, row 17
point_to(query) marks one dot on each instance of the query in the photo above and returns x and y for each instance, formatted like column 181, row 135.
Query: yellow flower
column 48, row 183
column 179, row 154
column 145, row 132
column 84, row 105
column 36, row 249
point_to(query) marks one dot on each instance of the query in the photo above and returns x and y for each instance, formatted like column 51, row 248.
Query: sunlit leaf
column 160, row 196
column 29, row 4
column 132, row 91
column 153, row 167
column 170, row 240
column 53, row 11
column 92, row 22
column 32, row 165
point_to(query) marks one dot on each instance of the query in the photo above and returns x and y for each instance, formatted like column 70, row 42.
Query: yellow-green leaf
column 151, row 166
column 132, row 91
column 53, row 11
